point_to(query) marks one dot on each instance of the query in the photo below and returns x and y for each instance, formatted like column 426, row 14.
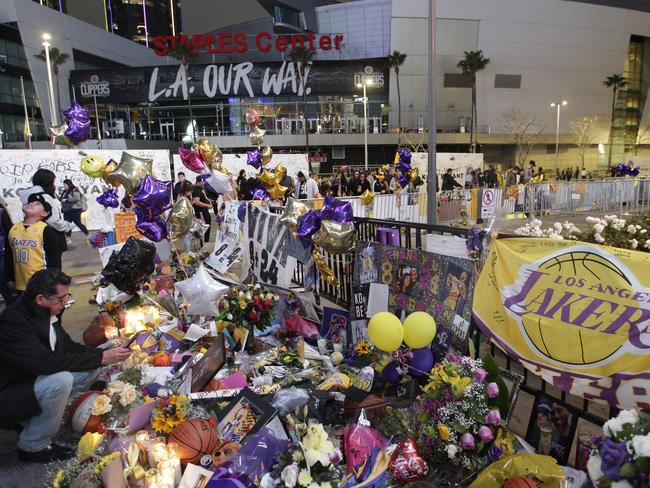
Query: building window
column 507, row 81
column 457, row 80
column 285, row 15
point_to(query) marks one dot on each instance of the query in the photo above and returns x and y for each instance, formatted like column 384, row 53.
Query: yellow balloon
column 385, row 331
column 92, row 166
column 267, row 154
column 419, row 330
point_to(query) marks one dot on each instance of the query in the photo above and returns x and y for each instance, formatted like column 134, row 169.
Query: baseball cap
column 40, row 197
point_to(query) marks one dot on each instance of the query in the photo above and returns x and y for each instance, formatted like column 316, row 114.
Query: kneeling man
column 41, row 365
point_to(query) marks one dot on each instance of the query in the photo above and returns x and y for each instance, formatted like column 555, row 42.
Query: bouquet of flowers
column 117, row 401
column 361, row 354
column 169, row 413
column 621, row 458
column 459, row 417
column 247, row 305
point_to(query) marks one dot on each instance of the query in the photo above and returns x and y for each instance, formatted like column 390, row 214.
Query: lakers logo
column 580, row 307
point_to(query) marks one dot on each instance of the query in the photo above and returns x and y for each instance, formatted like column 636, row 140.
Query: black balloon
column 132, row 266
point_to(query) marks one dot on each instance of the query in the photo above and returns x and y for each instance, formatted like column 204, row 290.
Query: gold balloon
column 131, row 171
column 367, row 197
column 180, row 218
column 293, row 211
column 256, row 135
column 277, row 192
column 268, row 178
column 221, row 168
column 413, row 174
column 267, row 154
column 106, row 173
column 210, row 154
column 335, row 237
column 325, row 271
column 59, row 137
column 252, row 118
column 92, row 166
column 280, row 171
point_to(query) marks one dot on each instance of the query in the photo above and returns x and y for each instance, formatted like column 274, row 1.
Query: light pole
column 558, row 105
column 46, row 44
column 366, row 82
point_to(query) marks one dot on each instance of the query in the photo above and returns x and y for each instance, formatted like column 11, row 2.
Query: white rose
column 593, row 468
column 634, row 243
column 115, row 387
column 631, row 229
column 127, row 395
column 612, row 427
column 629, row 416
column 558, row 226
column 641, row 445
column 599, row 238
column 621, row 484
column 290, row 475
column 452, row 449
column 101, row 405
column 599, row 228
column 229, row 316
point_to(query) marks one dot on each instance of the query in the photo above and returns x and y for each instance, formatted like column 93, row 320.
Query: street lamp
column 367, row 82
column 557, row 105
column 46, row 44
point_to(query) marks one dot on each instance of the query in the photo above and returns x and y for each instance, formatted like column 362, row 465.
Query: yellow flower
column 304, row 478
column 443, row 430
column 101, row 405
column 159, row 424
column 128, row 395
column 87, row 445
column 58, row 478
column 362, row 348
column 243, row 303
column 505, row 441
column 461, row 382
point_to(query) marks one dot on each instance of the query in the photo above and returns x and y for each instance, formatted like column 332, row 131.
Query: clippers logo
column 377, row 79
column 95, row 87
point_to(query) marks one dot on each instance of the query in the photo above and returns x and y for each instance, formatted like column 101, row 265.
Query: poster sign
column 266, row 243
column 577, row 314
column 17, row 167
column 415, row 281
column 488, row 203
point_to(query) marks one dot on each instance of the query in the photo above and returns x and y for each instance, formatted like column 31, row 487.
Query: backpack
column 84, row 202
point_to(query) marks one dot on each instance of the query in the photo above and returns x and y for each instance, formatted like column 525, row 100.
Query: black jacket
column 26, row 353
column 449, row 182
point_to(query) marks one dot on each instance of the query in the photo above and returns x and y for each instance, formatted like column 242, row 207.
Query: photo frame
column 552, row 427
column 513, row 382
column 211, row 362
column 246, row 414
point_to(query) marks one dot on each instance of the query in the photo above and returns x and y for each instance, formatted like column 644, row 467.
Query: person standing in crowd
column 449, row 182
column 307, row 188
column 72, row 205
column 361, row 185
column 335, row 183
column 480, row 177
column 344, row 184
column 491, row 180
column 512, row 176
column 470, row 177
column 41, row 366
column 352, row 183
column 177, row 186
column 287, row 182
column 31, row 245
column 529, row 171
column 576, row 174
column 371, row 178
column 202, row 206
column 7, row 293
column 538, row 177
column 380, row 186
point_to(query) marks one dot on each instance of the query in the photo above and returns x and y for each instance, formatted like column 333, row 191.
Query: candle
column 151, row 479
column 322, row 346
column 166, row 474
column 157, row 449
column 143, row 439
column 338, row 347
column 173, row 457
column 110, row 332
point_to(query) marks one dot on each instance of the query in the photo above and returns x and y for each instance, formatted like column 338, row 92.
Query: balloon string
column 402, row 363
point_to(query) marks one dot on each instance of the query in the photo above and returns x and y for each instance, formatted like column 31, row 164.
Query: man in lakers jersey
column 31, row 244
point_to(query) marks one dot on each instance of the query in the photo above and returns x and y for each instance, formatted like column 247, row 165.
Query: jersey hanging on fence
column 266, row 245
column 577, row 314
column 401, row 281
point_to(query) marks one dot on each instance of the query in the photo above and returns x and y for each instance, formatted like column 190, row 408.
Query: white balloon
column 201, row 291
column 220, row 182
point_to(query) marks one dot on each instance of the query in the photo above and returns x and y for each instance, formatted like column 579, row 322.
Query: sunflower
column 362, row 348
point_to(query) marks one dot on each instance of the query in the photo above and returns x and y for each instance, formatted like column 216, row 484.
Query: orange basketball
column 521, row 483
column 195, row 438
column 94, row 335
column 161, row 359
column 81, row 418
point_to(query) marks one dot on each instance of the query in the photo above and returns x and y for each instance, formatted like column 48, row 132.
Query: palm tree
column 396, row 60
column 472, row 64
column 57, row 58
column 302, row 56
column 615, row 82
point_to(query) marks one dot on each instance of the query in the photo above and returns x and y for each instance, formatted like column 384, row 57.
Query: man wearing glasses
column 41, row 365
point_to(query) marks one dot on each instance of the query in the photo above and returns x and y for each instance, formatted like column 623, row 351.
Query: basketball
column 81, row 418
column 195, row 438
column 521, row 483
column 95, row 335
column 567, row 345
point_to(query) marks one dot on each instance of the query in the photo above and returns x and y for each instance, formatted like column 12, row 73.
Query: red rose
column 256, row 302
column 100, row 429
column 266, row 303
column 252, row 315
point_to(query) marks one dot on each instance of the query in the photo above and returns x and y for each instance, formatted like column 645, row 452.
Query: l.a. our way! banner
column 575, row 313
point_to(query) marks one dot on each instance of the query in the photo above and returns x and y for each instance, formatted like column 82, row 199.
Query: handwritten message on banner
column 266, row 245
column 575, row 313
column 18, row 166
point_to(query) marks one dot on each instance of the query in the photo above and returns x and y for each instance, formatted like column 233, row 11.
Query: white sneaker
column 68, row 240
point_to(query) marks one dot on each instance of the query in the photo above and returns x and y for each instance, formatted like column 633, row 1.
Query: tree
column 615, row 82
column 584, row 129
column 525, row 129
column 642, row 138
column 57, row 58
column 396, row 60
column 472, row 64
column 302, row 56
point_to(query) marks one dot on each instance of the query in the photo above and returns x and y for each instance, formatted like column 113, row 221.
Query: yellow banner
column 577, row 314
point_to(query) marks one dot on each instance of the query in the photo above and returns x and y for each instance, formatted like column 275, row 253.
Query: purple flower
column 335, row 456
column 452, row 358
column 614, row 455
column 492, row 390
column 495, row 453
column 467, row 442
column 429, row 405
column 485, row 433
column 493, row 418
column 479, row 375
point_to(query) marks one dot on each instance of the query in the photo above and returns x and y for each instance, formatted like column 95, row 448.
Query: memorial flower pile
column 116, row 402
column 246, row 305
column 621, row 458
column 169, row 413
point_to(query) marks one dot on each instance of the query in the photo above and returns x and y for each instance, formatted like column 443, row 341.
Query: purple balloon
column 421, row 362
column 191, row 160
column 390, row 373
column 155, row 230
column 109, row 198
column 153, row 195
column 78, row 123
column 403, row 166
column 254, row 158
column 309, row 224
column 404, row 155
column 226, row 476
column 241, row 212
column 403, row 180
column 264, row 447
column 260, row 194
column 337, row 210
column 636, row 171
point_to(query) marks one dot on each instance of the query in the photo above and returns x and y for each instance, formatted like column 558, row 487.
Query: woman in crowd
column 380, row 186
column 72, row 205
column 360, row 185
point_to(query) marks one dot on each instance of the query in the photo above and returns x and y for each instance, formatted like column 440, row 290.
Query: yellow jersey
column 27, row 246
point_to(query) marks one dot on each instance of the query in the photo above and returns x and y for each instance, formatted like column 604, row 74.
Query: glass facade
column 141, row 20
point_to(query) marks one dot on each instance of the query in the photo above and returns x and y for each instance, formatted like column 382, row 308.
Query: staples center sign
column 238, row 42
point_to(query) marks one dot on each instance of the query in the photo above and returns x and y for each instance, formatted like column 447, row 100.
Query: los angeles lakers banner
column 575, row 313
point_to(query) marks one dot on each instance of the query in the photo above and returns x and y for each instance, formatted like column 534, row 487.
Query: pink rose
column 480, row 375
column 467, row 442
column 493, row 418
column 492, row 390
column 485, row 433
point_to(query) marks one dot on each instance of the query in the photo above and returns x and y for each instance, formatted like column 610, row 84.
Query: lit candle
column 156, row 450
column 173, row 457
column 110, row 332
column 322, row 346
column 143, row 439
column 151, row 479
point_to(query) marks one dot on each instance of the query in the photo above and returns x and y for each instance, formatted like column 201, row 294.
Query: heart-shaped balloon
column 191, row 160
column 406, row 464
